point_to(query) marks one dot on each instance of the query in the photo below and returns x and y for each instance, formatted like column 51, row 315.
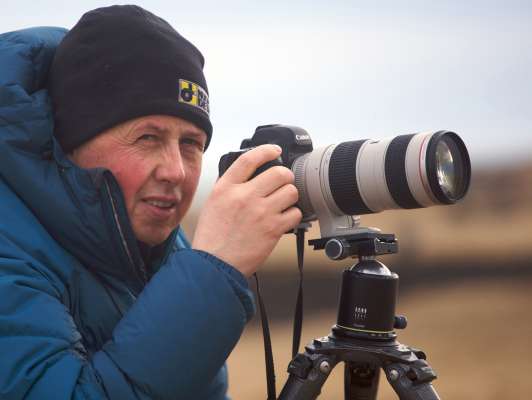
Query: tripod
column 363, row 337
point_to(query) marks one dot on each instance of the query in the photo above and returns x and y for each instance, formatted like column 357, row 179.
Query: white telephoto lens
column 369, row 176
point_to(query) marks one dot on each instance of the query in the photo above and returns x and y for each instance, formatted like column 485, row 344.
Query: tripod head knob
column 337, row 249
column 400, row 322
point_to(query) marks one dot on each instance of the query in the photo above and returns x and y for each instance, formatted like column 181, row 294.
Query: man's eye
column 192, row 142
column 148, row 137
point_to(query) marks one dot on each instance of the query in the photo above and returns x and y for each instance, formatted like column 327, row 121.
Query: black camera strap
column 298, row 319
column 268, row 354
column 298, row 315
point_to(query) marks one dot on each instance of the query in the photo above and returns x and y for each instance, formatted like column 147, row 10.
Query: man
column 101, row 143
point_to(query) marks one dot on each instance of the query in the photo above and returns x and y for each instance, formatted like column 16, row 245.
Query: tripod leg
column 361, row 381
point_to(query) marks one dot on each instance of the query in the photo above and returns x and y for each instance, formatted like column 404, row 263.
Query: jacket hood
column 83, row 210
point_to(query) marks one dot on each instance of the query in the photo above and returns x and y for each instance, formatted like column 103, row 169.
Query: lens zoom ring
column 395, row 170
column 343, row 178
column 299, row 170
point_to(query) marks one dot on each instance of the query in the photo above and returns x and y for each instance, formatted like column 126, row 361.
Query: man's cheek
column 130, row 183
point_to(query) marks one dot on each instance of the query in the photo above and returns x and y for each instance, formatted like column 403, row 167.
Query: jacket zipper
column 140, row 268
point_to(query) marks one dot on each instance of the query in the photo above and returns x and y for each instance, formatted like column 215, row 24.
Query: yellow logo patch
column 193, row 94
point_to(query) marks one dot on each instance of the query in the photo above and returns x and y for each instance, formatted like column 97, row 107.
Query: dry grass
column 477, row 338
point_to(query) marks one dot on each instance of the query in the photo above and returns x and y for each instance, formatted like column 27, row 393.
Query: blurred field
column 491, row 226
column 476, row 335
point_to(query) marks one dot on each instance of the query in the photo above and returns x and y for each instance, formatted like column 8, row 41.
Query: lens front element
column 445, row 170
column 448, row 167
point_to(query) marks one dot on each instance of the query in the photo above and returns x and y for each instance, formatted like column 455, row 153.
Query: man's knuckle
column 219, row 189
column 276, row 172
column 283, row 174
column 261, row 212
column 272, row 229
column 246, row 160
column 234, row 198
column 293, row 192
column 293, row 216
column 243, row 201
column 289, row 175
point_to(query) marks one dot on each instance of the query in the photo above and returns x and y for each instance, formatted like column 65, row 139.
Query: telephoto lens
column 368, row 176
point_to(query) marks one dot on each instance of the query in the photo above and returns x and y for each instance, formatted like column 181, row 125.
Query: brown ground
column 477, row 338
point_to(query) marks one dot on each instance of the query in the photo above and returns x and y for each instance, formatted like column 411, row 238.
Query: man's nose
column 171, row 167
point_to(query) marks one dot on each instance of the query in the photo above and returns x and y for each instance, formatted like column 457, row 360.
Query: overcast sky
column 346, row 70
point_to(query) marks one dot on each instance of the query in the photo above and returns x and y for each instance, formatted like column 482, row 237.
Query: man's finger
column 282, row 198
column 272, row 179
column 245, row 165
column 290, row 218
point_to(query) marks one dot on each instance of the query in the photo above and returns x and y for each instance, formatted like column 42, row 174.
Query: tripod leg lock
column 412, row 381
column 300, row 366
column 308, row 373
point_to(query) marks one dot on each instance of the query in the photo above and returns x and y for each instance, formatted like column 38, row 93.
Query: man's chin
column 152, row 237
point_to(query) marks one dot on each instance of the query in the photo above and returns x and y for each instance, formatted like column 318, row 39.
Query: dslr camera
column 337, row 182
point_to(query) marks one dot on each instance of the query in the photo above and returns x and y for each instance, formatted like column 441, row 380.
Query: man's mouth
column 161, row 204
column 161, row 207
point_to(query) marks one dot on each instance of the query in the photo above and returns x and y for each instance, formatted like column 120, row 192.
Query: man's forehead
column 166, row 124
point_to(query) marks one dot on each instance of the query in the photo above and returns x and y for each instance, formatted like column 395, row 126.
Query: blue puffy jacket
column 81, row 317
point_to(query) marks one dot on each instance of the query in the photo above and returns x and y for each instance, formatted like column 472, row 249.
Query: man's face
column 157, row 162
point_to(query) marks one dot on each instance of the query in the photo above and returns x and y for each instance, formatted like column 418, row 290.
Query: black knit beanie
column 123, row 62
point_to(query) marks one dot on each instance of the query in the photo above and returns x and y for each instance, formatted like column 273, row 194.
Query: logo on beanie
column 193, row 94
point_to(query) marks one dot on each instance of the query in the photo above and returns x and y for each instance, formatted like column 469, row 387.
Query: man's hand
column 243, row 220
